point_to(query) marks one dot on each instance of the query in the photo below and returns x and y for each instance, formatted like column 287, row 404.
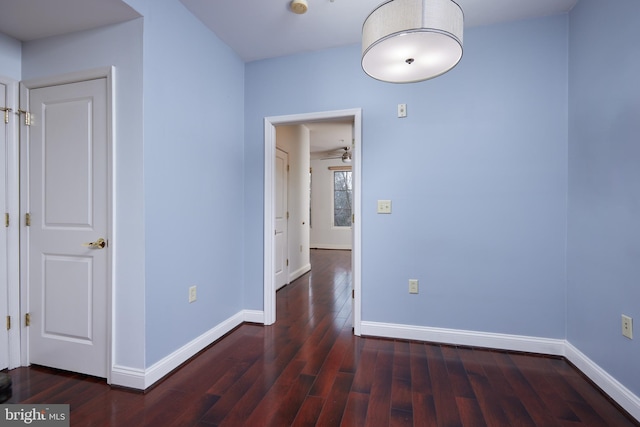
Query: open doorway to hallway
column 313, row 193
column 351, row 119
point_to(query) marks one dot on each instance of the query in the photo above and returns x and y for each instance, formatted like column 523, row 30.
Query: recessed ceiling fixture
column 406, row 41
column 299, row 6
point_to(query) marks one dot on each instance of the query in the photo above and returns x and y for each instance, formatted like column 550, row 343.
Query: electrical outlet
column 627, row 326
column 413, row 286
column 192, row 294
column 384, row 206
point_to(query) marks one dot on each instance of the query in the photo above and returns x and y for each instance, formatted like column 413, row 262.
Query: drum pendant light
column 406, row 41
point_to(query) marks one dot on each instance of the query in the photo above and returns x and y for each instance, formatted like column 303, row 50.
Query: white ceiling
column 329, row 136
column 27, row 20
column 257, row 29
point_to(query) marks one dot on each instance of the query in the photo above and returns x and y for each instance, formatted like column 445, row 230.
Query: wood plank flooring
column 308, row 369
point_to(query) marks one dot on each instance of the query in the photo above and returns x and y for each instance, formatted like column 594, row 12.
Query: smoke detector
column 299, row 6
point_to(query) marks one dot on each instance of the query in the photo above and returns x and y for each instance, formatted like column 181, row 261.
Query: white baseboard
column 618, row 392
column 470, row 338
column 555, row 347
column 141, row 380
column 299, row 272
column 124, row 376
column 164, row 366
column 253, row 316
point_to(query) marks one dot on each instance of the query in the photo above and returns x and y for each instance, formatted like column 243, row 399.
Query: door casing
column 109, row 74
column 270, row 124
column 11, row 240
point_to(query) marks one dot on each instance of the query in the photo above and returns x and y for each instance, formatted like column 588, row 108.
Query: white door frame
column 13, row 238
column 109, row 74
column 270, row 124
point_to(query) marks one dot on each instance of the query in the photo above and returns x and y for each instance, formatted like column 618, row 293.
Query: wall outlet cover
column 627, row 326
column 384, row 206
column 413, row 286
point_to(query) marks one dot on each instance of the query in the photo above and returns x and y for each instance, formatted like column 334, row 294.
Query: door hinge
column 27, row 319
column 287, row 168
column 6, row 219
column 27, row 117
column 287, row 263
column 287, row 215
column 353, row 218
column 27, row 219
column 6, row 113
column 353, row 293
column 8, row 322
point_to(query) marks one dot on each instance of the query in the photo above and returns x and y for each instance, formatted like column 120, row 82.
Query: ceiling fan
column 344, row 154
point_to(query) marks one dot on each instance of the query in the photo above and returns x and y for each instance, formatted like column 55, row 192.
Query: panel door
column 281, row 239
column 68, row 204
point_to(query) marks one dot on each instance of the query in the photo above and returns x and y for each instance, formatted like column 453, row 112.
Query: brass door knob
column 98, row 244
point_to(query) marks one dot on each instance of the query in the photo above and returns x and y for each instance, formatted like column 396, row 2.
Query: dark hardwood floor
column 308, row 369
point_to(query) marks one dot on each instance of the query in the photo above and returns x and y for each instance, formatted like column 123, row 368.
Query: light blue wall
column 121, row 46
column 604, row 185
column 479, row 188
column 193, row 177
column 10, row 57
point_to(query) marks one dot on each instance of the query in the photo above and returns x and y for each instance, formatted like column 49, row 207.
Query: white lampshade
column 405, row 41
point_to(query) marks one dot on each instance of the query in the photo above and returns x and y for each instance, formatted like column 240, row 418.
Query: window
column 342, row 198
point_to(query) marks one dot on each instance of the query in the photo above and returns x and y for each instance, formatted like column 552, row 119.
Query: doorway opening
column 269, row 250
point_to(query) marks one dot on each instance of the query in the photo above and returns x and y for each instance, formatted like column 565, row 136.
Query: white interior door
column 68, row 204
column 281, row 214
column 4, row 290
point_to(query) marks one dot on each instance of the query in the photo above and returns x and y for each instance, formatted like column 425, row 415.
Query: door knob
column 98, row 244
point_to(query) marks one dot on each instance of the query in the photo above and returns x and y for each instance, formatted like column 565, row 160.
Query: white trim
column 167, row 364
column 253, row 316
column 269, row 213
column 123, row 376
column 269, row 292
column 555, row 347
column 469, row 338
column 12, row 196
column 612, row 387
column 107, row 73
column 142, row 379
column 299, row 272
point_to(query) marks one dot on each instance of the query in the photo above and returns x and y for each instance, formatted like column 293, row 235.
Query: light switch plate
column 413, row 286
column 384, row 206
column 627, row 326
column 402, row 110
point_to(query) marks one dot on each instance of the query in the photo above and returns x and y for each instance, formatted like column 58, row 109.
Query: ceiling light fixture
column 406, row 41
column 299, row 6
